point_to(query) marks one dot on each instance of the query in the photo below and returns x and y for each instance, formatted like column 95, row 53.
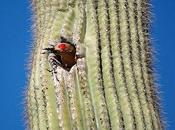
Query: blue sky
column 164, row 41
column 15, row 42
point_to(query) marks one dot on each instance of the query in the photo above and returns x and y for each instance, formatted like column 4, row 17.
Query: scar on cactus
column 63, row 54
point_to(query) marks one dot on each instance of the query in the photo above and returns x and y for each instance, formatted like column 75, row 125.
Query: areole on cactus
column 101, row 78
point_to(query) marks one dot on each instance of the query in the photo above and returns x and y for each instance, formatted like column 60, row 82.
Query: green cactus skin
column 112, row 87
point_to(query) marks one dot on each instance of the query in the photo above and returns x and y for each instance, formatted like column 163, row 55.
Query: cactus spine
column 112, row 88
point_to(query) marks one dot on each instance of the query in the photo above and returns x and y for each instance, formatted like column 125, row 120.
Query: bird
column 67, row 52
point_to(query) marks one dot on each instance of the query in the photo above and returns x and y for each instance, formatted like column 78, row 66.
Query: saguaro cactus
column 111, row 86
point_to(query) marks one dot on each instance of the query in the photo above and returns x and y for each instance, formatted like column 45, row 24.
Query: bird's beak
column 48, row 50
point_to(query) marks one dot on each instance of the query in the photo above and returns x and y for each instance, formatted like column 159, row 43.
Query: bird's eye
column 61, row 46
